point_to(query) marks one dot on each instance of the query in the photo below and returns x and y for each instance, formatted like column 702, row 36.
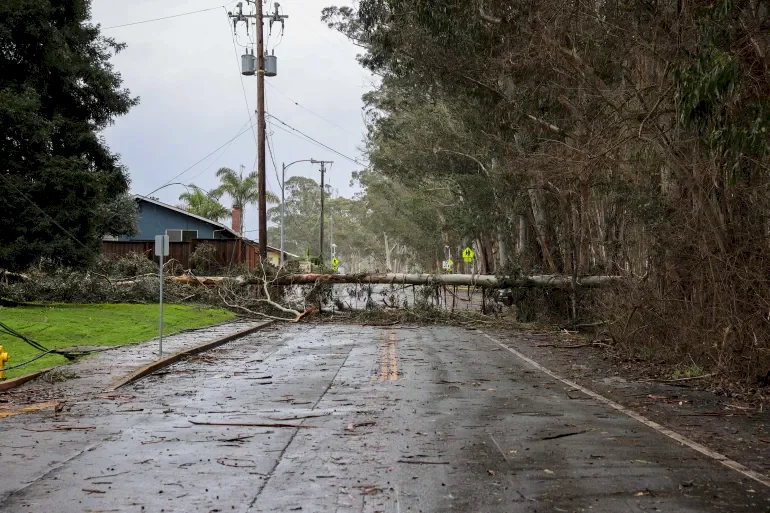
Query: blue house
column 158, row 218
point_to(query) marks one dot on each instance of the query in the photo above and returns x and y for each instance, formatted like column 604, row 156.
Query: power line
column 295, row 102
column 270, row 144
column 240, row 78
column 207, row 156
column 314, row 140
column 272, row 158
column 223, row 152
column 302, row 137
column 164, row 18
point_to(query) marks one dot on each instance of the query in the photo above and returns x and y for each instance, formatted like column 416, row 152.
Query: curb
column 20, row 380
column 171, row 359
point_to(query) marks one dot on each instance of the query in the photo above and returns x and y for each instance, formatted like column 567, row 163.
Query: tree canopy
column 346, row 224
column 242, row 191
column 204, row 204
column 61, row 189
column 581, row 138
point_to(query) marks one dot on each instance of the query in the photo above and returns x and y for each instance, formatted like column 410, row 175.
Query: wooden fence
column 228, row 252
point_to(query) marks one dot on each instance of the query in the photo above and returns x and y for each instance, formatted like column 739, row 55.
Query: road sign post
column 161, row 250
column 335, row 263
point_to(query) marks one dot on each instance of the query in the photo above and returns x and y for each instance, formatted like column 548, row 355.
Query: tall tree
column 242, row 191
column 611, row 137
column 60, row 186
column 355, row 241
column 204, row 204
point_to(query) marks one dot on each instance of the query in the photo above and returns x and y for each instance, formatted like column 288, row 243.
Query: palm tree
column 203, row 204
column 243, row 191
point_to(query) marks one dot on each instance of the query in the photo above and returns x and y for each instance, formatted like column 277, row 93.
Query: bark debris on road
column 346, row 418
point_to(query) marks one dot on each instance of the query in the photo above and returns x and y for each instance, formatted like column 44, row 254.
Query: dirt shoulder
column 735, row 426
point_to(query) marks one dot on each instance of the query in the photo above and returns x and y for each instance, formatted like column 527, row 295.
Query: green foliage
column 604, row 138
column 58, row 326
column 302, row 213
column 242, row 191
column 204, row 204
column 204, row 259
column 60, row 186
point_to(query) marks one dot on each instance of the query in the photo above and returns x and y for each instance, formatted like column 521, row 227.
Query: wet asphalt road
column 392, row 420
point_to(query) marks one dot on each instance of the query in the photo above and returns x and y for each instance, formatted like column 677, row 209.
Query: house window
column 181, row 235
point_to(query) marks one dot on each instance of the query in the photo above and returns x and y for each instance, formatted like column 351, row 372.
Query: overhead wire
column 295, row 102
column 319, row 143
column 204, row 158
column 166, row 17
column 270, row 145
column 240, row 78
column 223, row 151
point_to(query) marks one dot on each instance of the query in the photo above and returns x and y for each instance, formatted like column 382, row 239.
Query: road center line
column 278, row 460
column 724, row 460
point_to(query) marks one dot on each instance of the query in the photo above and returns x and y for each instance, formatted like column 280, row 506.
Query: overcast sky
column 187, row 75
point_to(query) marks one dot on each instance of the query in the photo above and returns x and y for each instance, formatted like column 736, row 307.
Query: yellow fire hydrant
column 4, row 357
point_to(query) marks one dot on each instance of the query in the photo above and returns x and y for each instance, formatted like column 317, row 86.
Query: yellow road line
column 387, row 354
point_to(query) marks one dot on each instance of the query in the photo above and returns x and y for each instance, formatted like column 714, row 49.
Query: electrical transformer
column 248, row 63
column 271, row 65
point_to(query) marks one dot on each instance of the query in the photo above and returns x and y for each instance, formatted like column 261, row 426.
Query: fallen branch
column 252, row 424
column 677, row 380
column 561, row 435
column 300, row 417
column 62, row 428
column 573, row 346
column 423, row 462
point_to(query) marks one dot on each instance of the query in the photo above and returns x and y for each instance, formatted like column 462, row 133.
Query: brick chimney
column 237, row 220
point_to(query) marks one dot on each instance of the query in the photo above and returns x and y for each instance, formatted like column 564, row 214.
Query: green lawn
column 65, row 325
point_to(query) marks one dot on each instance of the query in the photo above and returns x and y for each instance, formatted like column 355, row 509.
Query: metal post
column 323, row 170
column 283, row 184
column 331, row 232
column 261, row 132
column 160, row 336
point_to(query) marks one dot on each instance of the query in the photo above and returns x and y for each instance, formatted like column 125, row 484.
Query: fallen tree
column 555, row 281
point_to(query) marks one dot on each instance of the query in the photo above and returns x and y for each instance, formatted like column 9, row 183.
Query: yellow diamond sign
column 468, row 255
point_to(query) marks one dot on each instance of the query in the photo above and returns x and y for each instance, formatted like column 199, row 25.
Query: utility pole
column 261, row 134
column 323, row 170
column 258, row 17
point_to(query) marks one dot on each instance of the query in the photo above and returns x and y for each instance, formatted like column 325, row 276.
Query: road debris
column 560, row 435
column 252, row 424
column 423, row 462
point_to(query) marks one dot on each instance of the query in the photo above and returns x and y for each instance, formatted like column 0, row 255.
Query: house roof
column 185, row 212
column 201, row 218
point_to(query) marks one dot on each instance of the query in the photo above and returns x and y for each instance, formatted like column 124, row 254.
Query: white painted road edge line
column 724, row 460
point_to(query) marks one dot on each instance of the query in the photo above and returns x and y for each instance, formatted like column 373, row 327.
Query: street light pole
column 284, row 167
